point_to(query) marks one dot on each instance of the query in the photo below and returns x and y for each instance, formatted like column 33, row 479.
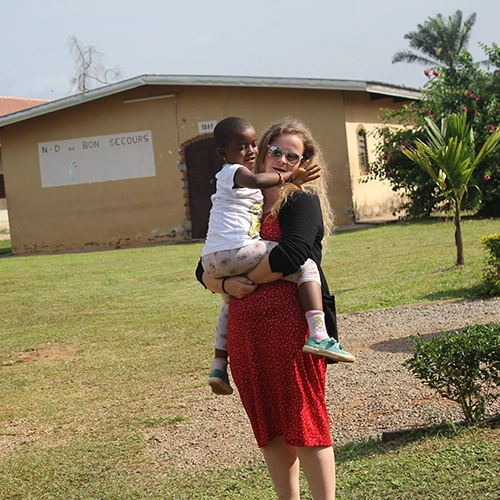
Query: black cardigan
column 302, row 231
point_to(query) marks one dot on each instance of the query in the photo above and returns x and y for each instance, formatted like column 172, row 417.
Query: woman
column 281, row 387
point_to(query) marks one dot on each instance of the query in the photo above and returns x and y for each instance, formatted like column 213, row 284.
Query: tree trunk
column 458, row 236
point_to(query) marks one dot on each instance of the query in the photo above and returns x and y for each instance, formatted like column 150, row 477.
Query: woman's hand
column 237, row 286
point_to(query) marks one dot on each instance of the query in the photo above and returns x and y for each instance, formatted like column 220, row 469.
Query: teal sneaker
column 219, row 382
column 329, row 348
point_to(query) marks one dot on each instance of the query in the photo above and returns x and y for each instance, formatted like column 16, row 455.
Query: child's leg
column 218, row 265
column 311, row 299
column 235, row 261
column 312, row 303
column 219, row 380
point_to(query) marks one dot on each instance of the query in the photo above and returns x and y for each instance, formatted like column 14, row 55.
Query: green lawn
column 92, row 362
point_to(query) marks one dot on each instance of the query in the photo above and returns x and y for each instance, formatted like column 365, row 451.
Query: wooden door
column 202, row 163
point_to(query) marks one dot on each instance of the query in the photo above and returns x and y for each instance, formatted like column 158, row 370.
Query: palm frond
column 411, row 57
column 441, row 41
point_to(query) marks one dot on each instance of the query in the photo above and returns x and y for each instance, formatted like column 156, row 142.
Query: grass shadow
column 343, row 290
column 403, row 344
column 5, row 250
column 395, row 440
column 474, row 292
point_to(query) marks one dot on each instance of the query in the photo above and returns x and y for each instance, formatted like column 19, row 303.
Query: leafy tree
column 450, row 158
column 90, row 70
column 468, row 89
column 475, row 91
column 417, row 190
column 441, row 42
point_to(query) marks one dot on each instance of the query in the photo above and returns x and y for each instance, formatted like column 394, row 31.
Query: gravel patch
column 371, row 396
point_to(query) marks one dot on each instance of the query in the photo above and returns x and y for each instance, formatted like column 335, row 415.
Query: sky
column 342, row 40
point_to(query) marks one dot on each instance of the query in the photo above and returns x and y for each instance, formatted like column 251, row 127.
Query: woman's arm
column 301, row 225
column 237, row 286
column 262, row 273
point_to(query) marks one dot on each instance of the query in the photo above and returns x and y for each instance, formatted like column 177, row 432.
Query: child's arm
column 244, row 178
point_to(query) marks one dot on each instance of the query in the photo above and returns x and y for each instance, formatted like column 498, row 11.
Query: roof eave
column 393, row 90
column 193, row 80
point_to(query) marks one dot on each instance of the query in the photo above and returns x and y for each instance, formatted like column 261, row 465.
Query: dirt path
column 373, row 395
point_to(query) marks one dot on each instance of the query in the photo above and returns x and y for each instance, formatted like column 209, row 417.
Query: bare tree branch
column 89, row 66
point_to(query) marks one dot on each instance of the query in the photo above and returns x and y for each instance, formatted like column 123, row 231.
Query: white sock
column 219, row 364
column 317, row 328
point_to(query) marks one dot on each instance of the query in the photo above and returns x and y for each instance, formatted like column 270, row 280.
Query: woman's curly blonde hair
column 312, row 154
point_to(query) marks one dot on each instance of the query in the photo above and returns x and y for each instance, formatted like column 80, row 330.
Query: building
column 133, row 163
column 10, row 105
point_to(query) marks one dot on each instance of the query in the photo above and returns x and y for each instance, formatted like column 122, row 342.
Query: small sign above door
column 206, row 127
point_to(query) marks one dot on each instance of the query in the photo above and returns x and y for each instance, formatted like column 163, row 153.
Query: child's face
column 242, row 148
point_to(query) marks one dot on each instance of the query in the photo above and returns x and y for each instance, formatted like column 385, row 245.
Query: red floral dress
column 281, row 388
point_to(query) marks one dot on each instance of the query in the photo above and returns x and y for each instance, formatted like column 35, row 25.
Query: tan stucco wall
column 373, row 197
column 4, row 216
column 151, row 209
column 96, row 215
column 322, row 111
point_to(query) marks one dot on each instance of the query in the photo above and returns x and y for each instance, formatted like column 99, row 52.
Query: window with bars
column 362, row 150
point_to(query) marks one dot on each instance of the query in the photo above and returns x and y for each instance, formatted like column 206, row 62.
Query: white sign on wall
column 206, row 127
column 97, row 159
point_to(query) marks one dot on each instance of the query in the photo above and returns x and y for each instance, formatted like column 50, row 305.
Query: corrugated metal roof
column 216, row 81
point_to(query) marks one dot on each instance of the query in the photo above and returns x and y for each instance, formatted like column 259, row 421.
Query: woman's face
column 288, row 143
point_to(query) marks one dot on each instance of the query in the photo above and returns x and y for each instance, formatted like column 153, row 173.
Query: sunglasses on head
column 290, row 157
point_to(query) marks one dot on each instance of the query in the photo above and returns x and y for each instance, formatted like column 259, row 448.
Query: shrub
column 492, row 272
column 461, row 366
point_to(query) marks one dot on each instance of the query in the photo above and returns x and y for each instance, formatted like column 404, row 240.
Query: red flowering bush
column 468, row 88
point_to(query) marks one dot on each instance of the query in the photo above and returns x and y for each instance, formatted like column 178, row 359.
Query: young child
column 233, row 245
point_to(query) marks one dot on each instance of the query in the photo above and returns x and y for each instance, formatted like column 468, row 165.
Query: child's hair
column 226, row 128
column 312, row 153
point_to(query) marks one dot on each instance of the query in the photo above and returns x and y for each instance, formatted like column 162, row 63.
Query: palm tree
column 450, row 158
column 440, row 41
